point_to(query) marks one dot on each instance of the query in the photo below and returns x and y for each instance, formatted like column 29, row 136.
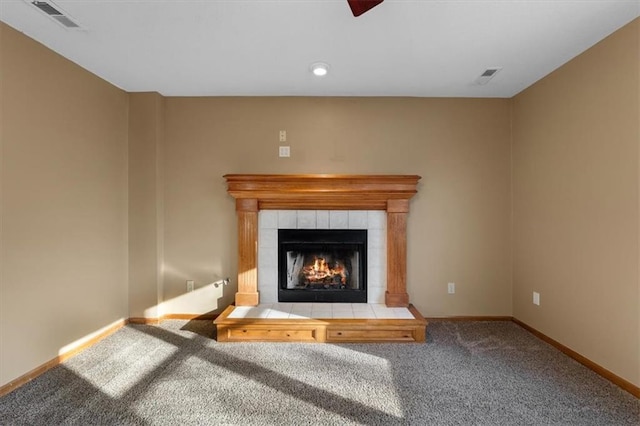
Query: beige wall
column 459, row 224
column 146, row 141
column 575, row 163
column 64, row 204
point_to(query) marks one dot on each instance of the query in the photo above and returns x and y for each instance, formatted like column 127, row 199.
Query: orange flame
column 320, row 270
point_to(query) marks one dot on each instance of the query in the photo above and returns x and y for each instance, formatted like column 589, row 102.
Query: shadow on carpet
column 468, row 373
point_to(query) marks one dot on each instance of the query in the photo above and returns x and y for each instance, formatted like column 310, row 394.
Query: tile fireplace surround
column 321, row 201
column 270, row 221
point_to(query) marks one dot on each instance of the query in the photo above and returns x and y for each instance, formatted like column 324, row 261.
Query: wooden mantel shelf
column 322, row 192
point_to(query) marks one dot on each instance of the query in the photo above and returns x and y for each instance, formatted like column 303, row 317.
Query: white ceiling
column 265, row 47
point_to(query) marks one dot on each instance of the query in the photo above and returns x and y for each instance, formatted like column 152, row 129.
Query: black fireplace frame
column 289, row 239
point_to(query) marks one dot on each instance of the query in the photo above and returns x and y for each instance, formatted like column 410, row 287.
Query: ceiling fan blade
column 358, row 7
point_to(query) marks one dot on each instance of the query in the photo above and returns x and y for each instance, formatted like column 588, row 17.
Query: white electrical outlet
column 536, row 298
column 451, row 288
column 190, row 285
column 284, row 151
column 283, row 135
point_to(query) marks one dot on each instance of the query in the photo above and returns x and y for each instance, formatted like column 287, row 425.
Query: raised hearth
column 339, row 322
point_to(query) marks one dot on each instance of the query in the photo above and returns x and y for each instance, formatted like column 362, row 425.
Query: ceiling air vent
column 54, row 12
column 487, row 75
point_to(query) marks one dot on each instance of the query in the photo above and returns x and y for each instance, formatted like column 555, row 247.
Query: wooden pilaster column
column 247, row 210
column 396, row 294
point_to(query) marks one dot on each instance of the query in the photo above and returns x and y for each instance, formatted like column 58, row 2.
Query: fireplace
column 322, row 265
column 389, row 193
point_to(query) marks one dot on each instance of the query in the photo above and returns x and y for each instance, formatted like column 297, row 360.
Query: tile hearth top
column 320, row 311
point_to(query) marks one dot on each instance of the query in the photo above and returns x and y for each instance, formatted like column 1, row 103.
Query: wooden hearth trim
column 322, row 192
column 320, row 330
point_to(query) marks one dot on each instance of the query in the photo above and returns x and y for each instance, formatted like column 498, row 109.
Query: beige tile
column 338, row 219
column 268, row 219
column 377, row 219
column 284, row 307
column 322, row 219
column 361, row 307
column 364, row 315
column 299, row 316
column 276, row 314
column 342, row 307
column 306, row 219
column 239, row 312
column 378, row 306
column 343, row 315
column 268, row 238
column 287, row 219
column 384, row 313
column 357, row 219
column 301, row 305
column 257, row 312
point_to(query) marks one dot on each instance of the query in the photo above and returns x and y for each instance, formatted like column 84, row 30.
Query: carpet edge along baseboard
column 41, row 369
column 612, row 377
column 27, row 377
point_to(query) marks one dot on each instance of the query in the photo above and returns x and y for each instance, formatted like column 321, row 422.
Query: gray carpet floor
column 468, row 373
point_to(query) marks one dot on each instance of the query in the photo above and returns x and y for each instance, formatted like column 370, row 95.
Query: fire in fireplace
column 321, row 265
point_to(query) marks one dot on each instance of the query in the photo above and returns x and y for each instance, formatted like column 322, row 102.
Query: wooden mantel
column 322, row 192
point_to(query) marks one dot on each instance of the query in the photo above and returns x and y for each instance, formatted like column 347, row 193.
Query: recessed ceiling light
column 319, row 69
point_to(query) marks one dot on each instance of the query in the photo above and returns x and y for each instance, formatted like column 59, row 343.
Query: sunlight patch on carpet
column 123, row 370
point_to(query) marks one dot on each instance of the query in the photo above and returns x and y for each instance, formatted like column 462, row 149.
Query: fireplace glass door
column 322, row 265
